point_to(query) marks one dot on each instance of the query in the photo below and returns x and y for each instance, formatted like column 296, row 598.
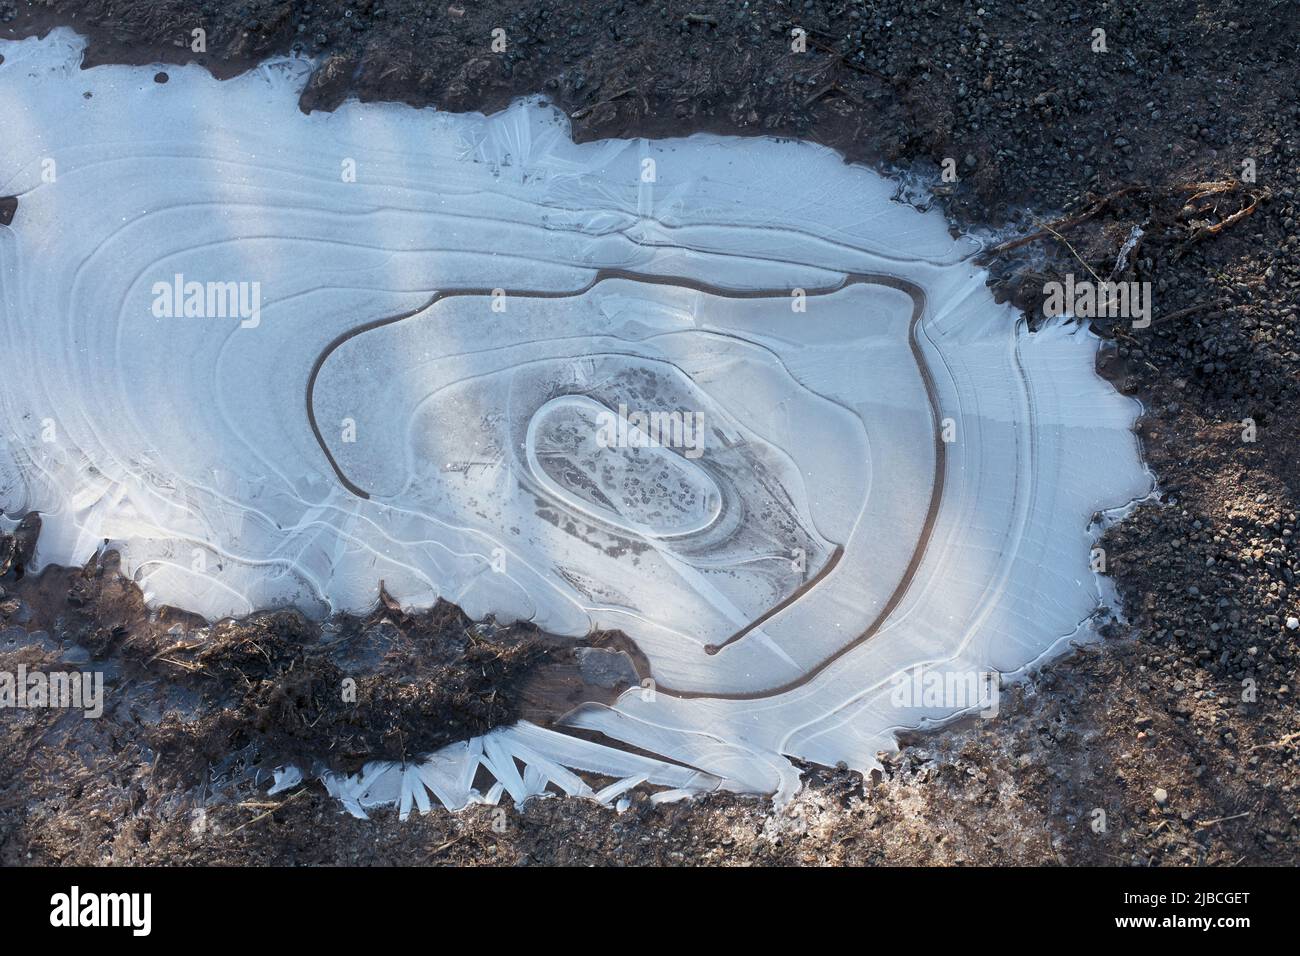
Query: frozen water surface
column 722, row 394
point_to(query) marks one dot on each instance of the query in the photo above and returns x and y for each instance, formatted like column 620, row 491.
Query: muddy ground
column 1181, row 729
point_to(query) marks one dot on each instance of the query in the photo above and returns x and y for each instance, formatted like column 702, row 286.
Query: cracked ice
column 271, row 383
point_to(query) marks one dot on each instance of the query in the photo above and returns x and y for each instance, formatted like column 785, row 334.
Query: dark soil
column 1197, row 700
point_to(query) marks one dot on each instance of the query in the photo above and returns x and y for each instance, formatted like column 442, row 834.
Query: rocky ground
column 1173, row 742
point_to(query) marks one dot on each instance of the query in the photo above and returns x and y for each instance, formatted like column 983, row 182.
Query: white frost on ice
column 890, row 472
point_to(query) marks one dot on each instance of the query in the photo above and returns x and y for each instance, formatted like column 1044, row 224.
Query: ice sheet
column 447, row 342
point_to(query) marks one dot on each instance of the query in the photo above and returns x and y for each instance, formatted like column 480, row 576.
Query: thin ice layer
column 444, row 342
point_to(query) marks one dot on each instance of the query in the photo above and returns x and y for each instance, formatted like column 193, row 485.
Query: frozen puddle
column 721, row 394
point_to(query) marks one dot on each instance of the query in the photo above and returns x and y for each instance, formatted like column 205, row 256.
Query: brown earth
column 1195, row 699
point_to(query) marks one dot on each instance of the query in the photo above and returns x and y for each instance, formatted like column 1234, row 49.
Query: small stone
column 605, row 667
column 1292, row 623
column 1162, row 796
